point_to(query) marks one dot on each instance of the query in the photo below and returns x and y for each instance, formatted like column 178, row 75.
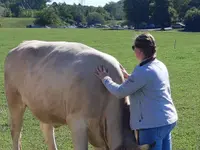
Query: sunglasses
column 133, row 47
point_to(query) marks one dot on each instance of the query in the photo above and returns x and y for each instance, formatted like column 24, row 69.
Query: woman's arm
column 134, row 82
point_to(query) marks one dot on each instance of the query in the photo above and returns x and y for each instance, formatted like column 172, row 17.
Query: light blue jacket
column 148, row 86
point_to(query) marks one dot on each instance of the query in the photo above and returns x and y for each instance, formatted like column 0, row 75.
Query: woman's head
column 144, row 46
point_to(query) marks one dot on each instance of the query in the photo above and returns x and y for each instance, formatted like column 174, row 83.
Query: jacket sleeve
column 135, row 82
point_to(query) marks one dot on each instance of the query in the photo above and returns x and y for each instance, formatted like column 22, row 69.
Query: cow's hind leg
column 78, row 129
column 48, row 131
column 16, row 109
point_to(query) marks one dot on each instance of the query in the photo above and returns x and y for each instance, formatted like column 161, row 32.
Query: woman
column 152, row 112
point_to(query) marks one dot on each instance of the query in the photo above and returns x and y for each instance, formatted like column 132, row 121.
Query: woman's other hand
column 126, row 75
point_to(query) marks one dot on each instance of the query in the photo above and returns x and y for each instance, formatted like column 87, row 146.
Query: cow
column 56, row 82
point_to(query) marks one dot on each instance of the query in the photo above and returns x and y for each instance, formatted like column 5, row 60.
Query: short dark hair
column 146, row 43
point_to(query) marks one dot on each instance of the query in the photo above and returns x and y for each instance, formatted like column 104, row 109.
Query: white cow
column 56, row 81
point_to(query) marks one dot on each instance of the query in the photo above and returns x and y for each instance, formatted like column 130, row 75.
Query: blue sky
column 87, row 2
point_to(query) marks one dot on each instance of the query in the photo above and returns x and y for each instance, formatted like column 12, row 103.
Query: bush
column 7, row 13
column 26, row 13
column 48, row 17
column 192, row 20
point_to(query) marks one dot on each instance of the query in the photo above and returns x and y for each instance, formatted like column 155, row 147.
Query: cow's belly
column 49, row 118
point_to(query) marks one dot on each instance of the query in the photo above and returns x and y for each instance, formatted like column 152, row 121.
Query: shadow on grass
column 184, row 30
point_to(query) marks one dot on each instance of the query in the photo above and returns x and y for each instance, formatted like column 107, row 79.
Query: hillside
column 15, row 22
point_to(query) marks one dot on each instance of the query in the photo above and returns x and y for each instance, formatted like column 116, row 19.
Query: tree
column 95, row 18
column 173, row 14
column 192, row 20
column 79, row 19
column 7, row 13
column 181, row 7
column 161, row 14
column 47, row 17
column 137, row 11
column 26, row 4
column 15, row 9
column 2, row 9
column 64, row 12
column 69, row 14
column 32, row 4
column 115, row 10
column 194, row 3
column 104, row 13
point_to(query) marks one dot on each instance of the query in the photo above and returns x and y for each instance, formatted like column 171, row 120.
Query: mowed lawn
column 183, row 63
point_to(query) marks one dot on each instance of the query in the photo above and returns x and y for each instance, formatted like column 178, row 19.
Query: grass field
column 15, row 22
column 183, row 64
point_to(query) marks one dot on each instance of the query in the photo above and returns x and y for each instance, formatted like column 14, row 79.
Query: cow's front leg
column 48, row 132
column 78, row 129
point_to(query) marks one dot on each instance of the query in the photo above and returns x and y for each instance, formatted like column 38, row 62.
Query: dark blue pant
column 160, row 135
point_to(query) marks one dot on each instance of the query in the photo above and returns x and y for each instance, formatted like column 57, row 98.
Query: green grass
column 15, row 22
column 183, row 64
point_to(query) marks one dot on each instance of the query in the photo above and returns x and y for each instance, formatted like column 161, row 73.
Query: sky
column 86, row 2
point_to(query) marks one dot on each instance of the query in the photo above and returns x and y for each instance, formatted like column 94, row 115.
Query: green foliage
column 194, row 3
column 77, row 14
column 47, row 17
column 106, row 15
column 115, row 10
column 26, row 13
column 26, row 4
column 159, row 12
column 18, row 7
column 79, row 19
column 182, row 8
column 15, row 9
column 161, row 15
column 95, row 18
column 192, row 20
column 137, row 11
column 173, row 15
column 64, row 12
column 2, row 10
column 7, row 13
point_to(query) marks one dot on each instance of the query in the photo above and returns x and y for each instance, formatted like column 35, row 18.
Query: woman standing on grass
column 152, row 112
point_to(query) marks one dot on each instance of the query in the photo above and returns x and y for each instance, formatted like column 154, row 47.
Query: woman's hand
column 101, row 72
column 126, row 75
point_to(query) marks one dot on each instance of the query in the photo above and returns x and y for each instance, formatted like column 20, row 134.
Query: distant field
column 23, row 22
column 183, row 63
column 15, row 22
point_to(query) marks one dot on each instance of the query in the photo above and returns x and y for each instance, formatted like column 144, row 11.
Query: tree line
column 138, row 13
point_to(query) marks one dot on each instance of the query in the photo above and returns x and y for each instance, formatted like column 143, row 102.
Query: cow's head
column 130, row 142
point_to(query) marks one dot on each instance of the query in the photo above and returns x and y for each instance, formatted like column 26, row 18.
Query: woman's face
column 139, row 54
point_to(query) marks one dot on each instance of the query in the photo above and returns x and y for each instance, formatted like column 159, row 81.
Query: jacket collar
column 147, row 61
